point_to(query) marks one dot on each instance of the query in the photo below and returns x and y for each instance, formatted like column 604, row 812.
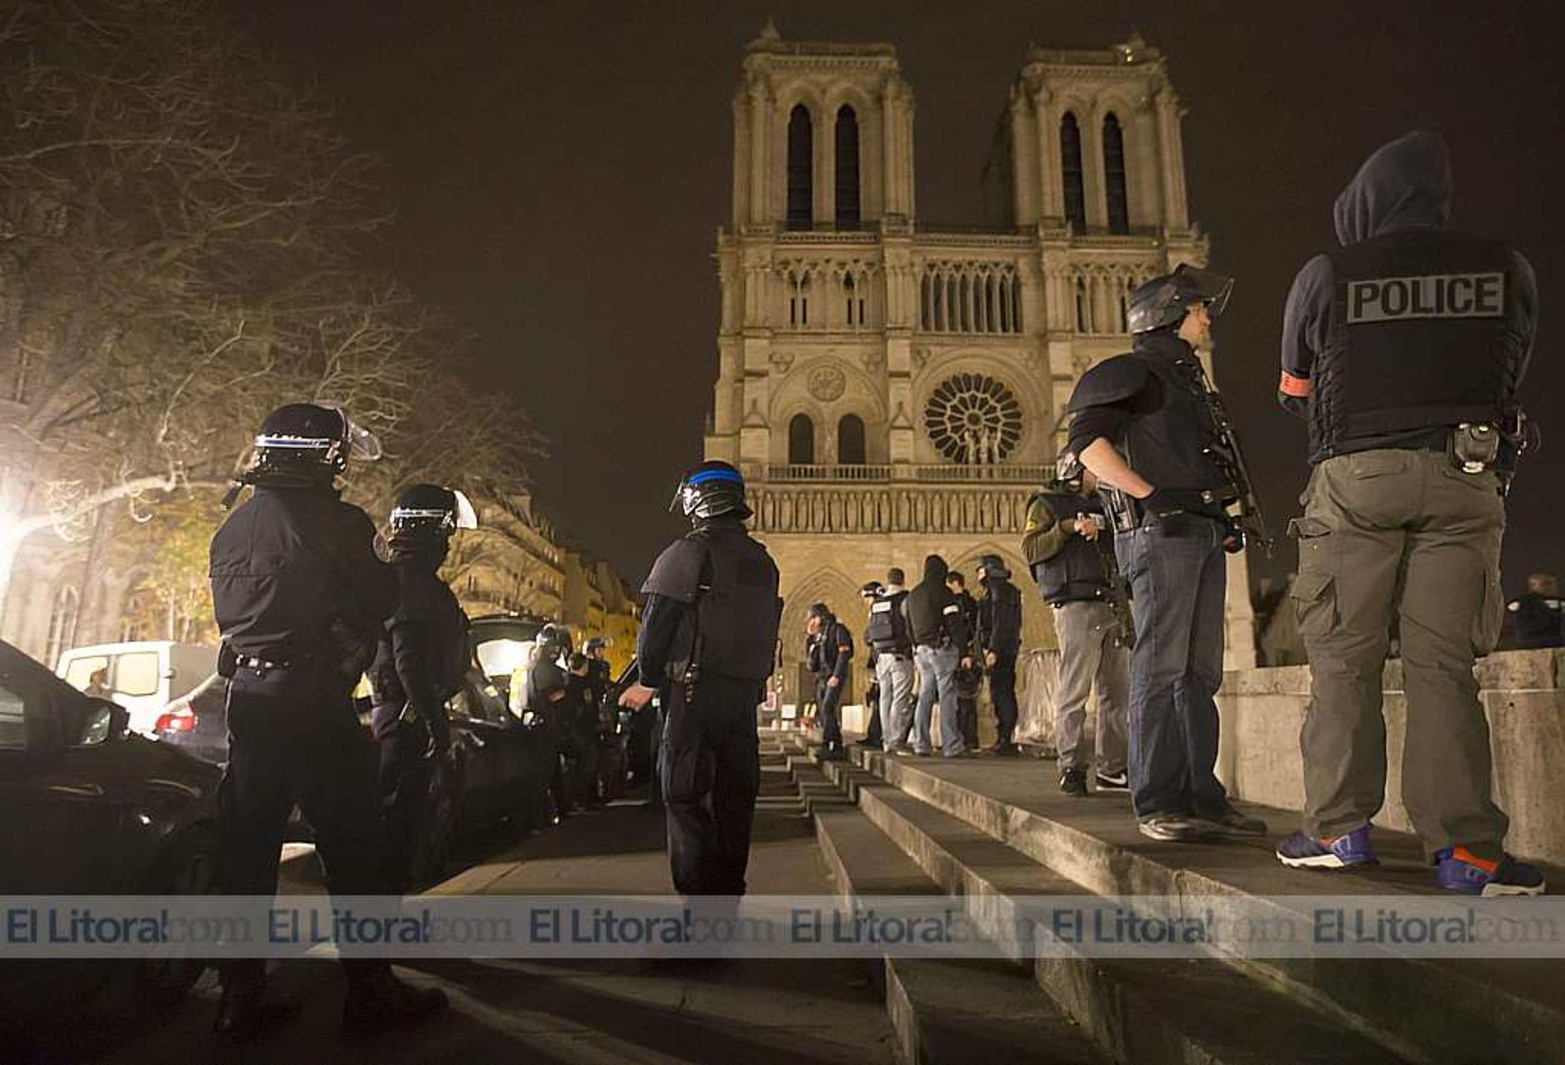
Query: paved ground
column 749, row 1012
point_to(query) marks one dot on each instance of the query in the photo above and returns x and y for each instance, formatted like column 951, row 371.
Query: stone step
column 1146, row 1012
column 815, row 789
column 971, row 1011
column 1434, row 1010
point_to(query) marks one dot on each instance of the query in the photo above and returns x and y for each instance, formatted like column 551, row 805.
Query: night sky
column 559, row 172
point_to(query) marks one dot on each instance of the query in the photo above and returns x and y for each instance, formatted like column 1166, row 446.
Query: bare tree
column 180, row 233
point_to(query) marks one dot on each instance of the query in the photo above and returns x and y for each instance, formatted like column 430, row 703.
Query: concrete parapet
column 1263, row 709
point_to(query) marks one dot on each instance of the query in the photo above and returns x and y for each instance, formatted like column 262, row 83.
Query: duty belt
column 1126, row 512
column 260, row 665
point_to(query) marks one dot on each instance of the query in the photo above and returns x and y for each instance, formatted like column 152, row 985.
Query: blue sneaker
column 1300, row 851
column 1458, row 869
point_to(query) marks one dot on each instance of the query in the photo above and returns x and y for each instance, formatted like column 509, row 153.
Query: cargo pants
column 1400, row 535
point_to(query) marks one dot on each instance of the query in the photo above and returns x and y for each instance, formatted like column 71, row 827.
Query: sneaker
column 1231, row 820
column 1301, row 851
column 1461, row 870
column 1112, row 781
column 900, row 752
column 1073, row 782
column 1177, row 828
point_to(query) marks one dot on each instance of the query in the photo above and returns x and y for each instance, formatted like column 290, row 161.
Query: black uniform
column 299, row 597
column 969, row 678
column 708, row 642
column 548, row 698
column 420, row 663
column 830, row 656
column 1000, row 635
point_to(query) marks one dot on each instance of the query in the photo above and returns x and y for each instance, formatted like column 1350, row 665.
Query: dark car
column 91, row 809
column 497, row 771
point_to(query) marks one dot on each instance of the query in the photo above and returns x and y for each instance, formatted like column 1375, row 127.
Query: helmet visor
column 1204, row 286
column 363, row 445
column 466, row 516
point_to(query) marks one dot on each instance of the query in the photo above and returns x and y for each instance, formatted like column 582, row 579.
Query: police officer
column 873, row 738
column 708, row 640
column 421, row 660
column 891, row 639
column 547, row 697
column 600, row 674
column 1080, row 581
column 1404, row 349
column 941, row 645
column 1000, row 640
column 830, row 656
column 1142, row 424
column 969, row 677
column 1535, row 614
column 582, row 718
column 300, row 597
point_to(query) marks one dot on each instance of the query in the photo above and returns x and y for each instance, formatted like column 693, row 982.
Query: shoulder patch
column 1110, row 381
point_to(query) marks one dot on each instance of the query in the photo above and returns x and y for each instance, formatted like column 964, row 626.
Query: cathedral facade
column 890, row 389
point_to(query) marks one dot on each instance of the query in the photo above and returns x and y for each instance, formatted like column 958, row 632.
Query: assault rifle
column 1228, row 454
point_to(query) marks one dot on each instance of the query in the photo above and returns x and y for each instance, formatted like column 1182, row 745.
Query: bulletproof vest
column 737, row 614
column 1003, row 613
column 1167, row 444
column 1076, row 572
column 1418, row 339
column 888, row 629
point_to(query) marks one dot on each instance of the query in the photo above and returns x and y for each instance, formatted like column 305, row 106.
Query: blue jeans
column 937, row 680
column 1178, row 579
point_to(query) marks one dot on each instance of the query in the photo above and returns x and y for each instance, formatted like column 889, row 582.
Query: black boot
column 380, row 1001
column 245, row 1012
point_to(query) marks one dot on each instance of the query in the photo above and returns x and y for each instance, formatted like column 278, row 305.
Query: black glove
column 1233, row 536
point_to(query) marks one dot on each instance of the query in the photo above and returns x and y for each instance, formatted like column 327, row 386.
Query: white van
column 143, row 677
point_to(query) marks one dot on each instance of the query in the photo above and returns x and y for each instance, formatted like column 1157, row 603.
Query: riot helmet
column 553, row 641
column 992, row 567
column 872, row 590
column 711, row 490
column 302, row 445
column 1069, row 473
column 430, row 507
column 596, row 645
column 1164, row 301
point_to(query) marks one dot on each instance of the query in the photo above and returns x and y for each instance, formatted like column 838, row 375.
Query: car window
column 79, row 671
column 137, row 673
column 499, row 658
column 13, row 721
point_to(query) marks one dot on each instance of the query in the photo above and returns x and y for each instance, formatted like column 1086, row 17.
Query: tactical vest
column 1419, row 339
column 888, row 631
column 737, row 615
column 1168, row 445
column 1076, row 572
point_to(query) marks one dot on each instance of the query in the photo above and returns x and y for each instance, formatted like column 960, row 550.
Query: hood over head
column 1403, row 185
column 935, row 569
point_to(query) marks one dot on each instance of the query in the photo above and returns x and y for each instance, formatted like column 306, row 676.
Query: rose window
column 973, row 419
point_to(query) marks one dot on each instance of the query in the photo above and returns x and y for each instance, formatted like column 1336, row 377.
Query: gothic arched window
column 801, row 164
column 1070, row 171
column 1114, row 174
column 850, row 441
column 801, row 441
column 847, row 169
column 1083, row 307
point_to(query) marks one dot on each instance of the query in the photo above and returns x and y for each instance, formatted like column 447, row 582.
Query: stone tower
column 891, row 390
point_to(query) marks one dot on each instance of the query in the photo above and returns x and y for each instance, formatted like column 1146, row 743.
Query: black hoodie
column 1403, row 186
column 933, row 613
